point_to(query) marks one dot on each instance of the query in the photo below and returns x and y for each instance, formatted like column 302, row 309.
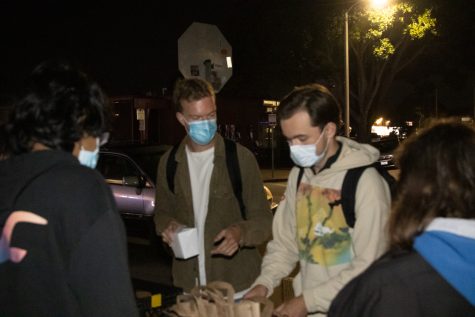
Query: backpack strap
column 232, row 164
column 348, row 193
column 171, row 168
column 350, row 183
column 392, row 182
column 234, row 172
column 299, row 178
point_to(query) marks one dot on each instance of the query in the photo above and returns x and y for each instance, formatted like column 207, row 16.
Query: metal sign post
column 272, row 117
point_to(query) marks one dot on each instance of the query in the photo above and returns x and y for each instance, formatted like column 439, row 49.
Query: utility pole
column 347, row 78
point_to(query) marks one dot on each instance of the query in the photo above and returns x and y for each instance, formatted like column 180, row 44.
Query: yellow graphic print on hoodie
column 322, row 232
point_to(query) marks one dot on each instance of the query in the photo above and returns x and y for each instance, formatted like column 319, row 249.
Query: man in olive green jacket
column 203, row 198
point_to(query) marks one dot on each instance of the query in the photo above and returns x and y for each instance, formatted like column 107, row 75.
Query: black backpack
column 348, row 188
column 232, row 164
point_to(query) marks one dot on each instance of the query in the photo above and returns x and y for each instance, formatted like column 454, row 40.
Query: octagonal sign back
column 204, row 52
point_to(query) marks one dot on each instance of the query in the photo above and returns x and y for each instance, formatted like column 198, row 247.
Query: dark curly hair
column 437, row 179
column 59, row 105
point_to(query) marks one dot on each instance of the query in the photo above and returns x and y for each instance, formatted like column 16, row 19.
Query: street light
column 376, row 4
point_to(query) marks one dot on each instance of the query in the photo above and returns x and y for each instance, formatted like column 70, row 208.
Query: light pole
column 375, row 3
column 347, row 76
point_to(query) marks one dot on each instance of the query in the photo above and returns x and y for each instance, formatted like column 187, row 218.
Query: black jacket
column 76, row 257
column 400, row 284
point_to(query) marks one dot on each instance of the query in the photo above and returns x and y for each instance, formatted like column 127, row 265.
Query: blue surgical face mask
column 202, row 131
column 305, row 155
column 89, row 158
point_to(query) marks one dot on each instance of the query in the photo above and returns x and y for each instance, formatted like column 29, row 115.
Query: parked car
column 130, row 171
column 386, row 147
column 133, row 188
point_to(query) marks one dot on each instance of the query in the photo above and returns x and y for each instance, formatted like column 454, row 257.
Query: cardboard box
column 185, row 243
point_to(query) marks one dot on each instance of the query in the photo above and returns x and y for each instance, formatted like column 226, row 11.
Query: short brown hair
column 437, row 179
column 191, row 89
column 316, row 100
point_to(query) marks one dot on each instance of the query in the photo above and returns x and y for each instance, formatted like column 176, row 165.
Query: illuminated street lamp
column 375, row 4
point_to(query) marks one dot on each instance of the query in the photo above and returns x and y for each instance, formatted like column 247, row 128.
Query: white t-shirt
column 200, row 166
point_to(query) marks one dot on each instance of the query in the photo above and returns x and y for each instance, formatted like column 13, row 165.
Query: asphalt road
column 148, row 260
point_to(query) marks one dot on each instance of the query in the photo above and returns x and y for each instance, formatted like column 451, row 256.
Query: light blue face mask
column 89, row 158
column 202, row 131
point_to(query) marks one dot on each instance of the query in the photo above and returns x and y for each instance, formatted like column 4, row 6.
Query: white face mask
column 305, row 155
column 89, row 158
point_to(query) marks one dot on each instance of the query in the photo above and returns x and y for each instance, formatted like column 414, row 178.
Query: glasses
column 104, row 138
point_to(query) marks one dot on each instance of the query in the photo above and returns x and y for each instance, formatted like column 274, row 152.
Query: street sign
column 204, row 52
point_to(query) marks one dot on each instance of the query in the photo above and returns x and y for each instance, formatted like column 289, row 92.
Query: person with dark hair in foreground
column 430, row 267
column 63, row 244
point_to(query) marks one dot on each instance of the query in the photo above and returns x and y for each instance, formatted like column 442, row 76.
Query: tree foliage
column 383, row 42
column 381, row 24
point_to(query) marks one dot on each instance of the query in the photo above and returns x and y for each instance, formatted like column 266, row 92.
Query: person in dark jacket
column 63, row 244
column 430, row 267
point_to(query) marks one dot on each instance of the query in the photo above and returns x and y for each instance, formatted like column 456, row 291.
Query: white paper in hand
column 185, row 243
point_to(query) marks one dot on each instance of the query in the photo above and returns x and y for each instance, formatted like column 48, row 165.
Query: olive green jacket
column 223, row 210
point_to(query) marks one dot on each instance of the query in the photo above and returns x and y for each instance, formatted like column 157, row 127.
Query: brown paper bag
column 254, row 307
column 185, row 306
column 217, row 300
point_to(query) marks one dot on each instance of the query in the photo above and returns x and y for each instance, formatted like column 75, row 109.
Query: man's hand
column 292, row 308
column 258, row 290
column 169, row 232
column 227, row 241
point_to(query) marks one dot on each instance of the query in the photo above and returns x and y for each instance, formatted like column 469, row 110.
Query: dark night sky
column 131, row 47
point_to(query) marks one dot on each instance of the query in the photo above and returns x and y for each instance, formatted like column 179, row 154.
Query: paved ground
column 148, row 262
column 276, row 175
